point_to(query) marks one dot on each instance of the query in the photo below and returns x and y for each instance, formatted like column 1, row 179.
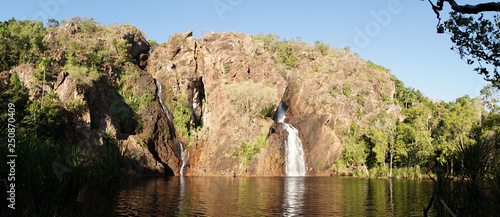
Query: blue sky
column 398, row 34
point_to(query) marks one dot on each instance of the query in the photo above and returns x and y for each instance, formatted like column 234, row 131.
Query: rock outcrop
column 197, row 73
column 220, row 94
column 314, row 91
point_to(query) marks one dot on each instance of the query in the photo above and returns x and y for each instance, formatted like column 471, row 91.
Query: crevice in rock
column 196, row 93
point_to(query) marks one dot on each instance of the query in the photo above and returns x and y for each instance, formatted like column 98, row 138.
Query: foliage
column 43, row 64
column 76, row 106
column 56, row 163
column 152, row 42
column 283, row 49
column 361, row 98
column 20, row 42
column 248, row 150
column 182, row 116
column 269, row 40
column 286, row 54
column 346, row 89
column 226, row 68
column 84, row 76
column 107, row 164
column 266, row 112
column 321, row 47
column 14, row 93
column 46, row 120
column 374, row 66
column 132, row 96
column 251, row 97
column 476, row 39
column 491, row 98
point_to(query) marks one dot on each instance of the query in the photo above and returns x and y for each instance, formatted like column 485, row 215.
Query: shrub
column 385, row 97
column 284, row 49
column 269, row 40
column 182, row 116
column 76, row 106
column 108, row 164
column 334, row 90
column 152, row 42
column 251, row 97
column 362, row 96
column 226, row 68
column 83, row 75
column 374, row 66
column 321, row 47
column 247, row 151
column 286, row 54
column 346, row 89
column 266, row 112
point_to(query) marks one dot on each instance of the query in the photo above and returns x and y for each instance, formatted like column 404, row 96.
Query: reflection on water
column 293, row 195
column 285, row 196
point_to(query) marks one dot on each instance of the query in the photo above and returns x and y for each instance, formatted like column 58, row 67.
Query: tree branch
column 468, row 9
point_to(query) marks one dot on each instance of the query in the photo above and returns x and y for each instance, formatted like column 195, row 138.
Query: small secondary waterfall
column 295, row 157
column 172, row 132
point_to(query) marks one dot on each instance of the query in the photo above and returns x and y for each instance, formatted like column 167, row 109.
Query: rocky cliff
column 240, row 76
column 219, row 93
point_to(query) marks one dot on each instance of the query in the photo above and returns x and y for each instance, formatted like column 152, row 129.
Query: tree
column 491, row 98
column 476, row 38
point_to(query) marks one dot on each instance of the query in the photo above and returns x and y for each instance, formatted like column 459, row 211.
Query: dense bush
column 251, row 97
column 20, row 42
column 284, row 51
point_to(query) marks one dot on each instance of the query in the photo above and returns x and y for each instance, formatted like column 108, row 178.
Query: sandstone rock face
column 220, row 94
column 197, row 72
column 322, row 105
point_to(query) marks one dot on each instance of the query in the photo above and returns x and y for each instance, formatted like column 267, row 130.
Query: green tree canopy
column 476, row 38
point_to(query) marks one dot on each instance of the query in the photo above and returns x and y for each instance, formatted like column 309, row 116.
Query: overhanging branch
column 468, row 9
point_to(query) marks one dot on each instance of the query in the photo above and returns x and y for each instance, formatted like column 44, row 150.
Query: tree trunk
column 366, row 169
column 390, row 173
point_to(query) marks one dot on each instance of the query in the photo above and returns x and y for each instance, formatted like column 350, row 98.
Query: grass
column 52, row 177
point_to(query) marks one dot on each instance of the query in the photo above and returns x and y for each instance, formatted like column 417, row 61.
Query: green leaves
column 20, row 42
column 477, row 40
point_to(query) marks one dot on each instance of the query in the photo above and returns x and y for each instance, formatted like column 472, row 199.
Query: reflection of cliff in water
column 288, row 196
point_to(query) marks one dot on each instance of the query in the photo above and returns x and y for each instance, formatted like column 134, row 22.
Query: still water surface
column 278, row 196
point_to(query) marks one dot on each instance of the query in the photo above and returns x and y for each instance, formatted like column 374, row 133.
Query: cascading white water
column 295, row 157
column 181, row 146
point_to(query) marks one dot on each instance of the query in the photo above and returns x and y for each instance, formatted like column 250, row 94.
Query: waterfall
column 172, row 131
column 295, row 157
